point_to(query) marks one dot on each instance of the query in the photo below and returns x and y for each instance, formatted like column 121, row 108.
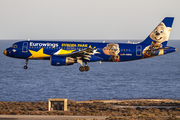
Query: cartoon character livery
column 112, row 49
column 67, row 53
column 159, row 36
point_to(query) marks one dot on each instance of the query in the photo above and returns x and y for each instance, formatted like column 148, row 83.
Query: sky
column 85, row 19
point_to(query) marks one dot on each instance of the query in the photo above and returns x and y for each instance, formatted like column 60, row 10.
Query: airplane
column 67, row 53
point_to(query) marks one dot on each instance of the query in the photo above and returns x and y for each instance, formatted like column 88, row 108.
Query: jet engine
column 61, row 60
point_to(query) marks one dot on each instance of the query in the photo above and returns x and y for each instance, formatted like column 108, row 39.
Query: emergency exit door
column 138, row 50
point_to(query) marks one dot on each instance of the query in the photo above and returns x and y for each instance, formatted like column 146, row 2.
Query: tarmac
column 56, row 117
column 50, row 117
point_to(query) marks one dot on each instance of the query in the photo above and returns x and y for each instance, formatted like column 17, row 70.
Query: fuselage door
column 138, row 50
column 25, row 47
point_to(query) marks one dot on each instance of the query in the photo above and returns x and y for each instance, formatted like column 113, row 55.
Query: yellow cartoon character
column 113, row 50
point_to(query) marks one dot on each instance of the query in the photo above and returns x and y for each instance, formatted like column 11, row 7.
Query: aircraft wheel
column 86, row 68
column 82, row 69
column 25, row 67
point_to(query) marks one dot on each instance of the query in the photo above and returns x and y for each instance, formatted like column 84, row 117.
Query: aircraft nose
column 5, row 52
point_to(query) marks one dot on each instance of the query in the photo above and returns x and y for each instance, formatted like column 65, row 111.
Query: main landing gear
column 83, row 68
column 25, row 67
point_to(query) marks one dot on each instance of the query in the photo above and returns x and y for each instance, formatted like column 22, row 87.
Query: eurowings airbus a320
column 67, row 53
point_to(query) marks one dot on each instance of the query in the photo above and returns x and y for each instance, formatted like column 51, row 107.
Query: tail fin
column 161, row 33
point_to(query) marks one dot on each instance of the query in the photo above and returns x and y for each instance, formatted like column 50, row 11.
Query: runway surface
column 55, row 117
column 49, row 117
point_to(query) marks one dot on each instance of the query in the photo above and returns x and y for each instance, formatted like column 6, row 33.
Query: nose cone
column 5, row 52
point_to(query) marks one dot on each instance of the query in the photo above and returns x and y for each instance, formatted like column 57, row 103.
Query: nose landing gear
column 25, row 67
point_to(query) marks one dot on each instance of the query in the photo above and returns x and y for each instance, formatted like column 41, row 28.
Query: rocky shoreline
column 96, row 108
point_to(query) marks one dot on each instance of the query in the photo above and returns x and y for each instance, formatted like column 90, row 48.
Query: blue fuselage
column 125, row 51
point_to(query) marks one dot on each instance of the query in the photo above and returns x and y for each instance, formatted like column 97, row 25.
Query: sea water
column 157, row 77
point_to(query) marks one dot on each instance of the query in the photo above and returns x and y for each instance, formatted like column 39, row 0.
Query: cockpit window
column 14, row 46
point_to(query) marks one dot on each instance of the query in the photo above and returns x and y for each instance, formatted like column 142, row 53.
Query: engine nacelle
column 61, row 60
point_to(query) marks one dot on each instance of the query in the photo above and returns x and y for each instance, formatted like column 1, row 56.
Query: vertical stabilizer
column 160, row 34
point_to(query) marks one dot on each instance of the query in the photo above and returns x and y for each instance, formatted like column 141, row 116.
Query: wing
column 83, row 54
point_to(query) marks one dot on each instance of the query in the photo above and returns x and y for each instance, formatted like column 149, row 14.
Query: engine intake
column 61, row 60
